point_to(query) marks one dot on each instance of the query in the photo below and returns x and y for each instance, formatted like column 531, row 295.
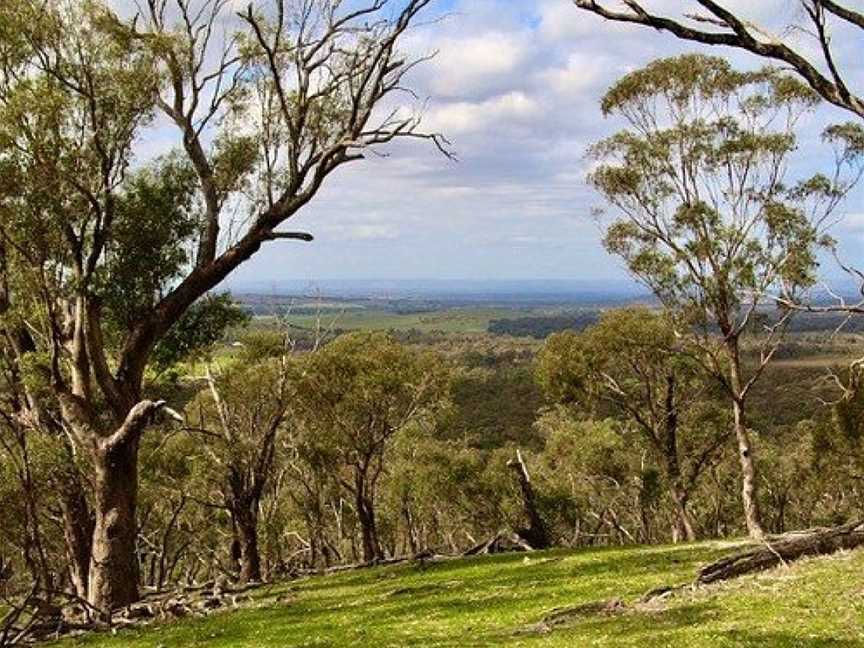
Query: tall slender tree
column 241, row 416
column 709, row 215
column 352, row 398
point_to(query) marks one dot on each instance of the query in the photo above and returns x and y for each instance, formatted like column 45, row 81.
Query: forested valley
column 169, row 449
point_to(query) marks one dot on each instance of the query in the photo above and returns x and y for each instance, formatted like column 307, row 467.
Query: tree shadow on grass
column 666, row 628
column 601, row 559
column 505, row 587
column 754, row 638
column 646, row 629
column 490, row 594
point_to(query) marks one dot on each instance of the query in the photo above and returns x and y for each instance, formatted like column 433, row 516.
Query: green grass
column 492, row 601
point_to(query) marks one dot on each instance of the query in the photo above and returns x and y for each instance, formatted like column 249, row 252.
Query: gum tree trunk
column 114, row 564
column 749, row 483
column 368, row 526
column 683, row 529
column 749, row 477
column 246, row 523
column 666, row 443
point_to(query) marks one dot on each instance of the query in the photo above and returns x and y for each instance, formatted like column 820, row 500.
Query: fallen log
column 502, row 542
column 782, row 550
column 421, row 559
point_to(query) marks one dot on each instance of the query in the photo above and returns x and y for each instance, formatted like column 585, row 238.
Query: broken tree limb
column 782, row 550
column 533, row 537
column 537, row 534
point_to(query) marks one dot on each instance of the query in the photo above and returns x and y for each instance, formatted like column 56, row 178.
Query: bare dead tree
column 537, row 533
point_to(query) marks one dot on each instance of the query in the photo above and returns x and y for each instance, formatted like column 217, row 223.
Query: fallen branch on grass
column 783, row 550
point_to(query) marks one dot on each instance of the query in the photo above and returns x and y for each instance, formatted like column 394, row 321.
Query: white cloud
column 368, row 232
column 559, row 21
column 580, row 74
column 469, row 65
column 516, row 87
column 460, row 118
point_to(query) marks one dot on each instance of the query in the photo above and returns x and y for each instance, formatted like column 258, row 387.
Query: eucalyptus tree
column 710, row 216
column 105, row 249
column 630, row 365
column 353, row 397
column 241, row 417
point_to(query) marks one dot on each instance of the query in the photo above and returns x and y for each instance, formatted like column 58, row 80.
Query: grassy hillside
column 497, row 601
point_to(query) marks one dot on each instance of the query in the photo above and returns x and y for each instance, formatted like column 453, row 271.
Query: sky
column 515, row 86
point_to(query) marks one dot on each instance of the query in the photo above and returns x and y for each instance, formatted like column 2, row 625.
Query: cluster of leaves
column 202, row 326
column 699, row 178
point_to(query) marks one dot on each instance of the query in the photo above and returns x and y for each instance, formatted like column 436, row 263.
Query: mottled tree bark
column 114, row 564
column 749, row 477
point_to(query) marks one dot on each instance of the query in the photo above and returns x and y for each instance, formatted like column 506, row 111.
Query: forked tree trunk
column 749, row 483
column 683, row 527
column 114, row 564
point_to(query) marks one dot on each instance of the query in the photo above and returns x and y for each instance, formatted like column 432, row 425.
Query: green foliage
column 234, row 159
column 250, row 411
column 494, row 407
column 681, row 80
column 153, row 226
column 841, row 441
column 362, row 388
column 699, row 181
column 262, row 344
column 203, row 325
column 460, row 487
column 615, row 358
column 594, row 452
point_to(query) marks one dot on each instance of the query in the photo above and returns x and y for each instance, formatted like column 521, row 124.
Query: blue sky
column 515, row 86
